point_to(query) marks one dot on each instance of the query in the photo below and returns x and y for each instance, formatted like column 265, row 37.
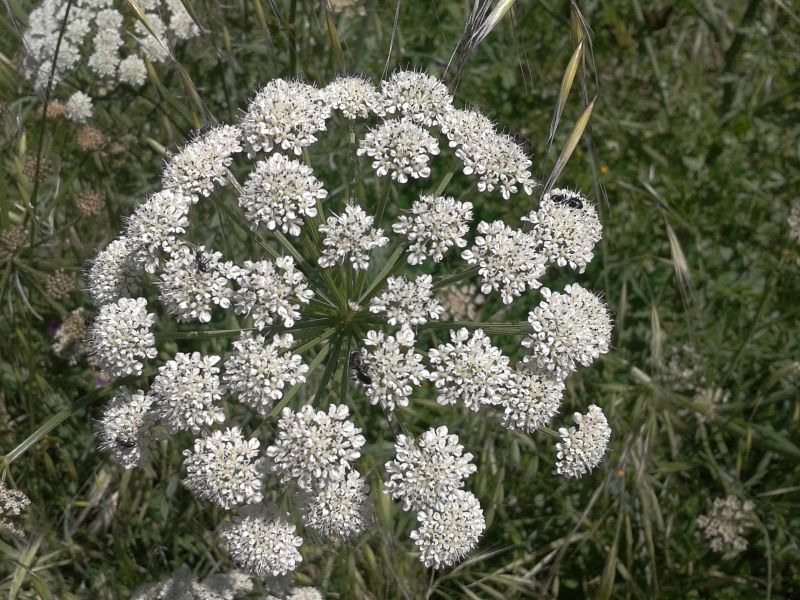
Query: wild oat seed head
column 113, row 273
column 90, row 204
column 258, row 372
column 466, row 127
column 568, row 329
column 567, row 227
column 401, row 149
column 189, row 393
column 125, row 427
column 121, row 336
column 203, row 164
column 133, row 71
column 315, row 447
column 267, row 289
column 225, row 469
column 416, row 96
column 263, row 544
column 393, row 367
column 500, row 163
column 469, row 369
column 279, row 192
column 350, row 235
column 582, row 448
column 509, row 260
column 449, row 530
column 285, row 115
column 438, row 224
column 407, row 303
column 156, row 225
column 531, row 401
column 60, row 284
column 12, row 503
column 429, row 470
column 355, row 97
column 194, row 281
column 79, row 107
column 462, row 302
column 340, row 510
column 726, row 523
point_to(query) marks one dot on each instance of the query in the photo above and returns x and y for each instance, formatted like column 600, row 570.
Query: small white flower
column 350, row 234
column 466, row 127
column 315, row 447
column 225, row 469
column 726, row 523
column 113, row 274
column 419, row 97
column 189, row 392
column 284, row 114
column 268, row 289
column 107, row 42
column 509, row 259
column 133, row 71
column 340, row 509
column 400, row 149
column 258, row 372
column 407, row 302
column 438, row 224
column 203, row 164
column 449, row 530
column 79, row 107
column 181, row 22
column 279, row 192
column 582, row 448
column 121, row 336
column 568, row 329
column 156, row 226
column 393, row 368
column 499, row 161
column 153, row 39
column 428, row 471
column 355, row 97
column 531, row 401
column 262, row 544
column 125, row 427
column 469, row 369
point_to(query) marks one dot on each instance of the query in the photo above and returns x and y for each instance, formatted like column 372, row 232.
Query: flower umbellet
column 316, row 311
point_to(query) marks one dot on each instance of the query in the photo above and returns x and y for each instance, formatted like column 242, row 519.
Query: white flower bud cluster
column 392, row 367
column 582, row 448
column 126, row 427
column 407, row 303
column 121, row 336
column 350, row 234
column 263, row 544
column 438, row 224
column 354, row 97
column 203, row 163
column 156, row 225
column 416, row 97
column 401, row 149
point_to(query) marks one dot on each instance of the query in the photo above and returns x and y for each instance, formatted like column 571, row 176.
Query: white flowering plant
column 282, row 301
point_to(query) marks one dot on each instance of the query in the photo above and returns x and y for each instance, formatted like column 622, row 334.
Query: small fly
column 569, row 201
column 200, row 261
column 359, row 369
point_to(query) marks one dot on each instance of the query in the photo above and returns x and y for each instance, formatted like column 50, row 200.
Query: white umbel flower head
column 567, row 227
column 582, row 448
column 407, row 303
column 340, row 510
column 449, row 529
column 224, row 468
column 355, row 97
column 203, row 164
column 262, row 544
column 466, row 127
column 416, row 96
column 132, row 71
column 156, row 225
column 189, row 392
column 112, row 274
column 279, row 192
column 269, row 289
column 286, row 115
column 568, row 329
column 392, row 367
column 428, row 471
column 79, row 107
column 180, row 22
column 500, row 163
column 125, row 427
column 726, row 523
column 194, row 281
column 121, row 336
column 509, row 260
column 438, row 224
column 401, row 149
column 531, row 401
column 315, row 447
column 258, row 372
column 350, row 234
column 469, row 369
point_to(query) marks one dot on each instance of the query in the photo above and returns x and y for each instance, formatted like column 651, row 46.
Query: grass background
column 692, row 155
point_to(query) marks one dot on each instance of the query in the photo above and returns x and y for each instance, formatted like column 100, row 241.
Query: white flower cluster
column 340, row 509
column 79, row 107
column 393, row 368
column 156, row 225
column 401, row 149
column 407, row 303
column 438, row 224
column 121, row 336
column 203, row 163
column 125, row 428
column 225, row 469
column 355, row 97
column 183, row 585
column 12, row 503
column 428, row 476
column 415, row 96
column 532, row 401
column 726, row 523
column 582, row 448
column 267, row 289
column 113, row 274
column 94, row 36
column 350, row 234
column 262, row 544
column 257, row 372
